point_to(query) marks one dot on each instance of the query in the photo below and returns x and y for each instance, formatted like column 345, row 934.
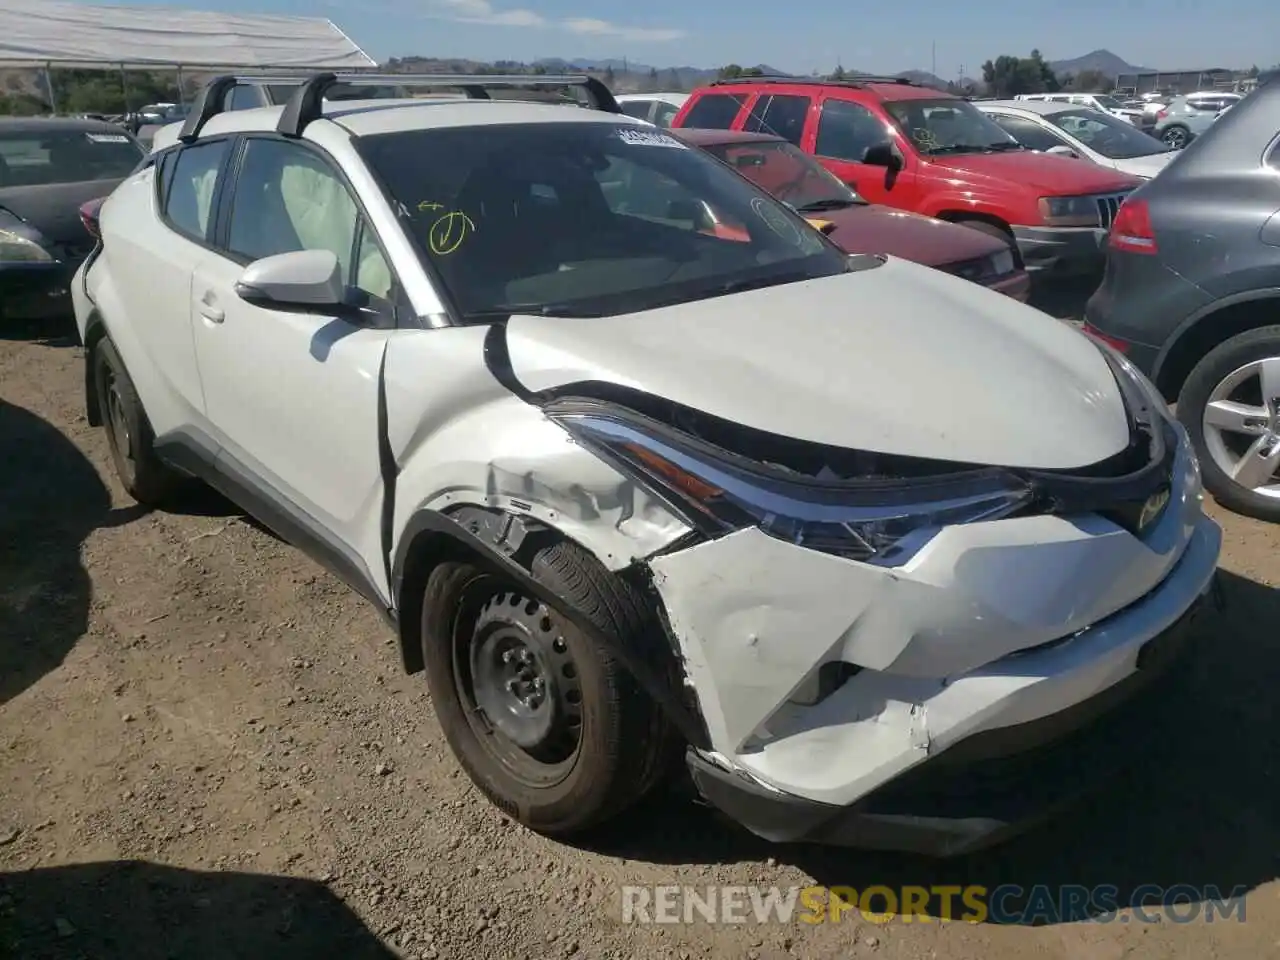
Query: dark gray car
column 49, row 168
column 1191, row 295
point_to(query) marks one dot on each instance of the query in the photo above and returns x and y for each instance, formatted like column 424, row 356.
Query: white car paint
column 1057, row 406
column 1037, row 112
column 898, row 358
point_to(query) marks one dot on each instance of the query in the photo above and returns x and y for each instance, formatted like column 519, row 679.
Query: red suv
column 926, row 151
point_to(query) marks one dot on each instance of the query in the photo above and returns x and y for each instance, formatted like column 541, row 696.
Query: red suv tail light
column 89, row 217
column 1131, row 230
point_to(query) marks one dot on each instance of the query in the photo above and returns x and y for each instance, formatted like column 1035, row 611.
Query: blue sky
column 1168, row 34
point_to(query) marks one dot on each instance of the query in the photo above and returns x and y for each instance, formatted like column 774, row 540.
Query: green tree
column 837, row 74
column 1008, row 76
column 1089, row 81
column 730, row 72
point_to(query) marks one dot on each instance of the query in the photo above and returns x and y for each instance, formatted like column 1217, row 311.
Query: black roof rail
column 857, row 81
column 207, row 106
column 307, row 101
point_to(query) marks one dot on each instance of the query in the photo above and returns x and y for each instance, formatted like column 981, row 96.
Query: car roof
column 883, row 88
column 707, row 138
column 1041, row 107
column 672, row 97
column 364, row 118
column 50, row 124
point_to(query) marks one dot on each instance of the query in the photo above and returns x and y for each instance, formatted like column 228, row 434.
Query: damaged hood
column 899, row 359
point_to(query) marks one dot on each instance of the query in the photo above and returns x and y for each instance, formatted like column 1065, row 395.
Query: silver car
column 1184, row 119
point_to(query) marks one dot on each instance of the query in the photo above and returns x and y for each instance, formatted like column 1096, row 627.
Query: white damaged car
column 645, row 471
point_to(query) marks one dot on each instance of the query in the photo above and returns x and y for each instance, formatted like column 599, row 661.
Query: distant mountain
column 1103, row 61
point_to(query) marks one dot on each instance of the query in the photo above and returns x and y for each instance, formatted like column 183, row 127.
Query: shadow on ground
column 51, row 498
column 132, row 910
column 1064, row 297
column 51, row 332
column 1200, row 808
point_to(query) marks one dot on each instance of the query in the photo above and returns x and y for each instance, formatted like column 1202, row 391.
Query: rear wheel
column 129, row 434
column 1230, row 405
column 546, row 723
column 1176, row 136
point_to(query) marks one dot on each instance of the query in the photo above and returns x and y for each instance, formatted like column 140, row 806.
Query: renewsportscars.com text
column 1005, row 904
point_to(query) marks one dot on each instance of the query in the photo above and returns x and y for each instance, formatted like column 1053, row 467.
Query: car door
column 845, row 130
column 293, row 395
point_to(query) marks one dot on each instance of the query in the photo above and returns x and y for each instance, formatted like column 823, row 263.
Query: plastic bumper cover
column 1062, row 249
column 1005, row 779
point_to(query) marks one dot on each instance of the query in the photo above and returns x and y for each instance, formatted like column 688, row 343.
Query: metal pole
column 48, row 83
column 182, row 98
column 124, row 86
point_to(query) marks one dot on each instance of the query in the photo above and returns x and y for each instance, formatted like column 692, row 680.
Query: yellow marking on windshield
column 448, row 232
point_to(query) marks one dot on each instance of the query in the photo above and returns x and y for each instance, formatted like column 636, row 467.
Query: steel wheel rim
column 119, row 421
column 1241, row 423
column 519, row 686
column 1175, row 138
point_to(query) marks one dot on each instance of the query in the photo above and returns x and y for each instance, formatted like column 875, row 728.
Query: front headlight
column 19, row 242
column 1070, row 211
column 718, row 492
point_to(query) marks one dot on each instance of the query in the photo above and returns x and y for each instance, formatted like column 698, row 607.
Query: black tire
column 129, row 433
column 1176, row 136
column 624, row 745
column 1212, row 370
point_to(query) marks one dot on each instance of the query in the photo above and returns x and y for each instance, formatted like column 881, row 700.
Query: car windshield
column 30, row 158
column 587, row 219
column 1110, row 136
column 949, row 126
column 1107, row 103
column 787, row 173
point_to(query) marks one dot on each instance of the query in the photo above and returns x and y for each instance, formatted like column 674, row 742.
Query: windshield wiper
column 504, row 311
column 758, row 283
column 1005, row 145
column 831, row 203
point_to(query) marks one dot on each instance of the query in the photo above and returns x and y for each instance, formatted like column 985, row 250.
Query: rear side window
column 1027, row 132
column 782, row 116
column 243, row 97
column 189, row 204
column 664, row 113
column 636, row 108
column 715, row 111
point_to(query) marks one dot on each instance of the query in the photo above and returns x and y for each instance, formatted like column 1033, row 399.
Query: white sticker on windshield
column 648, row 138
column 107, row 138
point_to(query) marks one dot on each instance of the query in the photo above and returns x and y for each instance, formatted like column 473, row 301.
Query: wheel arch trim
column 1202, row 314
column 430, row 537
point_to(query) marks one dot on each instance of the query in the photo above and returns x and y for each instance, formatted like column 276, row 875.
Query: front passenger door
column 845, row 131
column 292, row 395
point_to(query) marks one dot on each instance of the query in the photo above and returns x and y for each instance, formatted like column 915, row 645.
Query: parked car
column 657, row 108
column 1191, row 296
column 1080, row 132
column 1185, row 118
column 918, row 149
column 49, row 168
column 802, row 183
column 836, row 530
column 1095, row 101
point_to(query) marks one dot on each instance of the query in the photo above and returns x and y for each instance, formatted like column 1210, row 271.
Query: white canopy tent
column 41, row 33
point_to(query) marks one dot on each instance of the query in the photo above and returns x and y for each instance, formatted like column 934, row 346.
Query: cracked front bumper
column 999, row 632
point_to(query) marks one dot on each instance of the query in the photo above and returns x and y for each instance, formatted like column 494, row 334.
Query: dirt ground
column 207, row 750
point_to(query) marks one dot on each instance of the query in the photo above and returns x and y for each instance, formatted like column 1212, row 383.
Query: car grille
column 1108, row 206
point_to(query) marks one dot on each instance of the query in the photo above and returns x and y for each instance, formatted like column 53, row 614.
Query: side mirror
column 304, row 279
column 883, row 154
column 1062, row 150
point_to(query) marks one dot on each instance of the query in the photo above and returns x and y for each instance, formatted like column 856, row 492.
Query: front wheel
column 546, row 723
column 1230, row 405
